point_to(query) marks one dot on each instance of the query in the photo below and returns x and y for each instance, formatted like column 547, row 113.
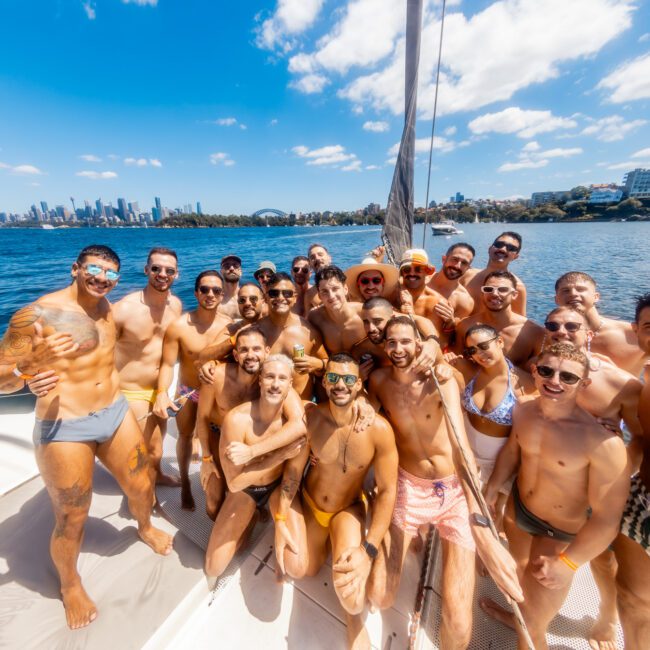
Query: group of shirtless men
column 283, row 383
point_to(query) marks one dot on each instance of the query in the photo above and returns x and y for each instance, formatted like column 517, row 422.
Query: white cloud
column 310, row 84
column 631, row 80
column 372, row 167
column 642, row 153
column 96, row 176
column 522, row 164
column 89, row 157
column 273, row 122
column 422, row 145
column 531, row 146
column 28, row 170
column 329, row 156
column 631, row 164
column 482, row 61
column 558, row 153
column 450, row 130
column 89, row 8
column 644, row 37
column 612, row 128
column 221, row 158
column 243, row 127
column 226, row 121
column 142, row 162
column 154, row 162
column 291, row 17
column 376, row 127
column 526, row 124
column 141, row 3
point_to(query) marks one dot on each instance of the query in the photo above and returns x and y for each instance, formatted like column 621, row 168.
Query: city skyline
column 297, row 104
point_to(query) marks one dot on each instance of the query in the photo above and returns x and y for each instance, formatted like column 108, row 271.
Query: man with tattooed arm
column 83, row 415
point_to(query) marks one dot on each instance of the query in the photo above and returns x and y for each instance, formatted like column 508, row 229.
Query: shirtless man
column 521, row 336
column 231, row 273
column 567, row 464
column 613, row 395
column 632, row 546
column 504, row 250
column 263, row 274
column 184, row 340
column 84, row 416
column 331, row 507
column 431, row 489
column 141, row 319
column 458, row 303
column 300, row 273
column 231, row 385
column 251, row 485
column 372, row 279
column 613, row 338
column 250, row 301
column 319, row 258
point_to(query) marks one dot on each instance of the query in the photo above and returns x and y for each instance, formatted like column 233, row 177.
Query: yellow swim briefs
column 324, row 518
column 144, row 395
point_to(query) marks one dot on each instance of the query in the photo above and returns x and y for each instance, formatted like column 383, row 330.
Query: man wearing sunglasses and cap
column 83, row 416
column 568, row 465
column 231, row 273
column 184, row 340
column 263, row 274
column 521, row 336
column 502, row 252
column 141, row 319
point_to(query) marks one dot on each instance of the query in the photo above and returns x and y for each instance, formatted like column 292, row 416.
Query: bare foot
column 603, row 636
column 497, row 612
column 79, row 609
column 358, row 638
column 165, row 479
column 187, row 500
column 159, row 541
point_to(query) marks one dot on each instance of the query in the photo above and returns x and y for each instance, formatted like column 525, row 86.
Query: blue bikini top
column 502, row 412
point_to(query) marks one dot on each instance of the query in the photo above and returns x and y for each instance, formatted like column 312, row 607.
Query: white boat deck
column 147, row 601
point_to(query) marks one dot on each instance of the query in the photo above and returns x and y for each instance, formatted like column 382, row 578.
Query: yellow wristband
column 208, row 459
column 20, row 374
column 233, row 340
column 279, row 517
column 570, row 563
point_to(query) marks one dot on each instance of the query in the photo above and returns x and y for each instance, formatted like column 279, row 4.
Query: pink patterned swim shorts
column 440, row 502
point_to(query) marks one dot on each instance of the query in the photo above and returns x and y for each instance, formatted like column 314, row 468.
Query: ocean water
column 617, row 255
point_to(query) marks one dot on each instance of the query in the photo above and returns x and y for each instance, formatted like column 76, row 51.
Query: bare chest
column 345, row 448
column 341, row 337
column 86, row 332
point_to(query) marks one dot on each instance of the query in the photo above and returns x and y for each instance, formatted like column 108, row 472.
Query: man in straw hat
column 372, row 279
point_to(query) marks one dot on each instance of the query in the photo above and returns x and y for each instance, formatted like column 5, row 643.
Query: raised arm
column 519, row 303
column 223, row 343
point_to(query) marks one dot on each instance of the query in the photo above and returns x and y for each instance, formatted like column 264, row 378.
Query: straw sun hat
column 388, row 271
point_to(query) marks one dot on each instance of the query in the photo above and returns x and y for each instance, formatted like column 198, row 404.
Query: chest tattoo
column 83, row 329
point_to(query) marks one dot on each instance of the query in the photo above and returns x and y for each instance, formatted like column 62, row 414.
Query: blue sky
column 297, row 104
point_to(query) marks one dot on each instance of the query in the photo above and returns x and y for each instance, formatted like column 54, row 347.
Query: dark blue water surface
column 617, row 255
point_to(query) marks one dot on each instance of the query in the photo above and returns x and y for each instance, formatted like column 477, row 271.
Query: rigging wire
column 433, row 124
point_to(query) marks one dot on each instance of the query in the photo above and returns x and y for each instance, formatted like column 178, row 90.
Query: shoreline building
column 541, row 198
column 637, row 184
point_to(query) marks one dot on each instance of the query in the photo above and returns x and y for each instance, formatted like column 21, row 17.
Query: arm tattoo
column 289, row 487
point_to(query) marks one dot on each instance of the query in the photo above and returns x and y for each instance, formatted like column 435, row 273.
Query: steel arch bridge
column 268, row 211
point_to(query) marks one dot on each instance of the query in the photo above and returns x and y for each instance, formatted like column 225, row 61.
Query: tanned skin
column 567, row 463
column 318, row 258
column 231, row 272
column 141, row 319
column 76, row 325
column 300, row 273
column 341, row 457
column 184, row 340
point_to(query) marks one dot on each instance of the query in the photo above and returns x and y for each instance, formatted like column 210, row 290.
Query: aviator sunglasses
column 217, row 291
column 546, row 372
column 171, row 272
column 95, row 270
column 483, row 345
column 416, row 268
column 552, row 326
column 286, row 293
column 301, row 269
column 504, row 291
column 511, row 248
column 348, row 380
column 375, row 280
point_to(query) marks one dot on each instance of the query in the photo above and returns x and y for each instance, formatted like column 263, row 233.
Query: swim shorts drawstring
column 439, row 489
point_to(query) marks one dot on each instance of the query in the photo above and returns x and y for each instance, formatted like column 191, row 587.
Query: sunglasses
column 231, row 265
column 286, row 293
column 265, row 275
column 216, row 291
column 503, row 291
column 511, row 248
column 416, row 268
column 171, row 272
column 483, row 345
column 367, row 281
column 348, row 380
column 95, row 270
column 242, row 300
column 301, row 269
column 546, row 372
column 552, row 326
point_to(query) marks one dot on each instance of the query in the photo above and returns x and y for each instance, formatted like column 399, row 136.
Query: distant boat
column 445, row 229
column 47, row 226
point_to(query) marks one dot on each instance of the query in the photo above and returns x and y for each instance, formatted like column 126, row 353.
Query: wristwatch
column 479, row 520
column 370, row 549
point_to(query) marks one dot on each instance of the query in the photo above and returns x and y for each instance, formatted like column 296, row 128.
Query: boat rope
column 433, row 123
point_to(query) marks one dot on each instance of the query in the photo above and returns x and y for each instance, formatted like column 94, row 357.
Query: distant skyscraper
column 100, row 208
column 122, row 208
column 44, row 207
column 134, row 207
column 158, row 204
column 198, row 208
column 459, row 197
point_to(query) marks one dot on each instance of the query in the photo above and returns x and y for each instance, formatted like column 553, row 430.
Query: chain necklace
column 350, row 428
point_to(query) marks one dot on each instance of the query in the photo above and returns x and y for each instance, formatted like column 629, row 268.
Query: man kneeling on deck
column 568, row 464
column 331, row 508
column 251, row 485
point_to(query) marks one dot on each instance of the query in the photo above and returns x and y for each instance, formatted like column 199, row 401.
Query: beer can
column 298, row 351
